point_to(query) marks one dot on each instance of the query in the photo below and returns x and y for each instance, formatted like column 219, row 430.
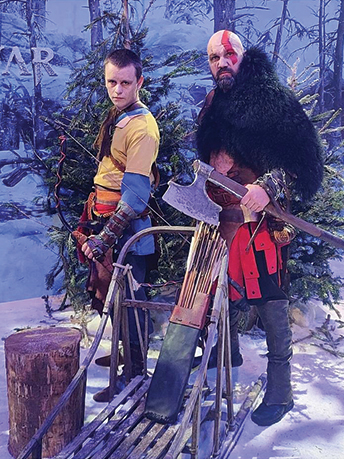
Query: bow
column 63, row 151
column 62, row 129
column 79, row 237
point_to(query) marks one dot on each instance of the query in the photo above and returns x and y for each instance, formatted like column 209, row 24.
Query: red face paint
column 225, row 42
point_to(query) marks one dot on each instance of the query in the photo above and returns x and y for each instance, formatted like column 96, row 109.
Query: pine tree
column 310, row 273
column 309, row 267
column 88, row 104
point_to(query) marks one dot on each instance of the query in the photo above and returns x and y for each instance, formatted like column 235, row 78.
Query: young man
column 253, row 130
column 127, row 144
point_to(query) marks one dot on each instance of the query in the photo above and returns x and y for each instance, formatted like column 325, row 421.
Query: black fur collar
column 262, row 126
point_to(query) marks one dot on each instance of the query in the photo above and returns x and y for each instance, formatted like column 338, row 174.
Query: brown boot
column 103, row 361
column 103, row 396
column 106, row 359
column 136, row 360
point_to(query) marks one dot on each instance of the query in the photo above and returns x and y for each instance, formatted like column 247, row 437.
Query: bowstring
column 121, row 183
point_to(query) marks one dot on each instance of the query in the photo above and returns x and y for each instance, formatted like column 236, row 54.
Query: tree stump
column 40, row 363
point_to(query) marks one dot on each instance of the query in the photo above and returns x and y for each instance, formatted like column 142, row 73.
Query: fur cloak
column 262, row 126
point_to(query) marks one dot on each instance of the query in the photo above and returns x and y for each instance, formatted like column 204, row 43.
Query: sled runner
column 123, row 429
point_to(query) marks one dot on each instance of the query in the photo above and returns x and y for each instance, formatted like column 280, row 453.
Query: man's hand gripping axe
column 194, row 201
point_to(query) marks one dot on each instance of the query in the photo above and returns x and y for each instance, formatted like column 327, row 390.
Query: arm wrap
column 276, row 183
column 114, row 228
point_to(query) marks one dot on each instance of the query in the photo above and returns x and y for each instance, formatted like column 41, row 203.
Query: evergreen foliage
column 88, row 105
column 74, row 274
column 188, row 11
column 309, row 267
column 310, row 273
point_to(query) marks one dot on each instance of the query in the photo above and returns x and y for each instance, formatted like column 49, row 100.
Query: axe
column 194, row 201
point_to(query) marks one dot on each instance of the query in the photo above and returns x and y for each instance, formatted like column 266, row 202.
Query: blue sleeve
column 135, row 189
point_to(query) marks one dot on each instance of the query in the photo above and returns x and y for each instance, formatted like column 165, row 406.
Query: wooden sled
column 121, row 430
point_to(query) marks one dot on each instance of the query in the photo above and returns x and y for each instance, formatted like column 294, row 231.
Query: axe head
column 193, row 199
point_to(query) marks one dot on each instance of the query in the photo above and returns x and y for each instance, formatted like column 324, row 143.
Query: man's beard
column 225, row 82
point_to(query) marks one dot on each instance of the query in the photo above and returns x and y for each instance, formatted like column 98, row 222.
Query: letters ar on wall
column 37, row 55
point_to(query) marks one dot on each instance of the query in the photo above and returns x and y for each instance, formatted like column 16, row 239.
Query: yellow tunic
column 134, row 146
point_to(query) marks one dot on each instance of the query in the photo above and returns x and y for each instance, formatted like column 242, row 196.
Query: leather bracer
column 113, row 230
column 276, row 184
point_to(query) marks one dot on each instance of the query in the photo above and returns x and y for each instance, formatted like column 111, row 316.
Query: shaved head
column 228, row 40
column 225, row 52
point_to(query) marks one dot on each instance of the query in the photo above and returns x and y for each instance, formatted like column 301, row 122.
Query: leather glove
column 112, row 231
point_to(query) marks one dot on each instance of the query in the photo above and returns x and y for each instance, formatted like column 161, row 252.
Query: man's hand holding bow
column 96, row 247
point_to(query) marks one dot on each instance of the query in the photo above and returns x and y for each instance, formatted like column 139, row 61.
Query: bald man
column 253, row 130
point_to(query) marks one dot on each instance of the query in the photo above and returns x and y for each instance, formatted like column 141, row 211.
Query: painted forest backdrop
column 52, row 92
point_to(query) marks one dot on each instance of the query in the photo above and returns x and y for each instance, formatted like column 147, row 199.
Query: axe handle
column 239, row 191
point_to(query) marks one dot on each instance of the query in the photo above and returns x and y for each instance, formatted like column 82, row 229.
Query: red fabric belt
column 105, row 202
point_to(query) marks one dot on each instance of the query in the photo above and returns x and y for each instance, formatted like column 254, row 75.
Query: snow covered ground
column 21, row 276
column 312, row 430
